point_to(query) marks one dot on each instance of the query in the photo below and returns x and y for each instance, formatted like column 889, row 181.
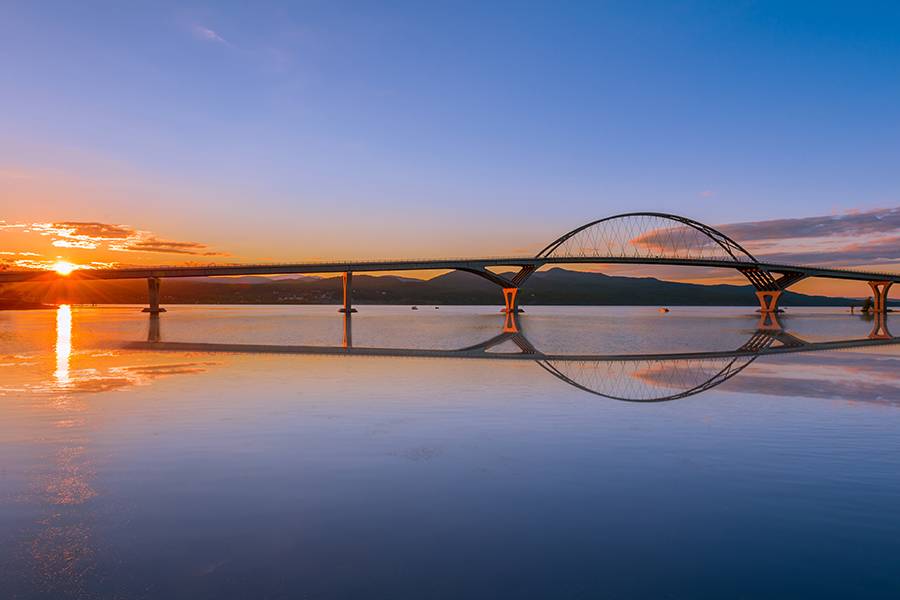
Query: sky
column 169, row 133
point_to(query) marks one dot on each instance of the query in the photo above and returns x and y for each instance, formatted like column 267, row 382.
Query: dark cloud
column 852, row 239
column 169, row 247
column 885, row 249
column 93, row 229
column 880, row 221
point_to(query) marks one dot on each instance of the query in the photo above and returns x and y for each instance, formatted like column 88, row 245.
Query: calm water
column 202, row 466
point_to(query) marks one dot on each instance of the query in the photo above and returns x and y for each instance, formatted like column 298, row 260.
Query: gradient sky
column 260, row 131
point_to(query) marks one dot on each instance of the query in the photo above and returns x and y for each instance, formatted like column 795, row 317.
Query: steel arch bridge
column 646, row 235
column 643, row 238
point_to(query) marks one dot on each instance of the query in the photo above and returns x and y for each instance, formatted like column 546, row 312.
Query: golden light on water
column 64, row 267
column 63, row 343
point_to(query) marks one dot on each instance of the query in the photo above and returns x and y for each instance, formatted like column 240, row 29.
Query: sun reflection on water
column 63, row 343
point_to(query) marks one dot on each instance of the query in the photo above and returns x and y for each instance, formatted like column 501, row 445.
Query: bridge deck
column 482, row 354
column 427, row 265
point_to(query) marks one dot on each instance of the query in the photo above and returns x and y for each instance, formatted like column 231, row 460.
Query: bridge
column 626, row 377
column 639, row 238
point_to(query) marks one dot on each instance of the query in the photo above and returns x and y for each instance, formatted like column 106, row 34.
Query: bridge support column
column 348, row 293
column 768, row 301
column 510, row 299
column 153, row 293
column 880, row 293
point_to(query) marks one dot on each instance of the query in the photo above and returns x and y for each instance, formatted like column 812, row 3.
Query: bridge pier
column 511, row 299
column 153, row 293
column 880, row 293
column 768, row 301
column 348, row 292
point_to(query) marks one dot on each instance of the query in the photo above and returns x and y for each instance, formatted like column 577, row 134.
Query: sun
column 64, row 268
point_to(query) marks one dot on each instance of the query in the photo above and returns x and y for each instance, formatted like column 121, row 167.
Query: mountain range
column 554, row 287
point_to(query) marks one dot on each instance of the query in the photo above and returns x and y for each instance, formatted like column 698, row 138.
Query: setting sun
column 64, row 268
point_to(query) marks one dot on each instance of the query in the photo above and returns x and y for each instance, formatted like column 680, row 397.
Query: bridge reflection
column 627, row 377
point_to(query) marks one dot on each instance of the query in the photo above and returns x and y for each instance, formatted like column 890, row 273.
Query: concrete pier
column 153, row 293
column 348, row 293
column 880, row 292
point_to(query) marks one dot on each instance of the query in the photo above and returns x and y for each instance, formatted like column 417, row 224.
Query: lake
column 581, row 452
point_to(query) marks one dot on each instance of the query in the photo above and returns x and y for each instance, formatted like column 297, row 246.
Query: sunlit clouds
column 852, row 238
column 93, row 237
column 118, row 238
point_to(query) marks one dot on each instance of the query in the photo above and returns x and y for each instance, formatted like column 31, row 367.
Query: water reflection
column 63, row 343
column 253, row 462
column 154, row 333
column 61, row 548
column 880, row 329
column 86, row 370
column 627, row 377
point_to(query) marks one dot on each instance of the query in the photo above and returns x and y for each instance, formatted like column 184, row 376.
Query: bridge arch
column 647, row 380
column 646, row 235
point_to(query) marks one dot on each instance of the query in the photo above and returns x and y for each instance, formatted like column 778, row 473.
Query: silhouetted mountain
column 555, row 286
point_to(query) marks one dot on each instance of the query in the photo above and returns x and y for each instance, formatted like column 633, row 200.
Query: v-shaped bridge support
column 510, row 286
column 768, row 292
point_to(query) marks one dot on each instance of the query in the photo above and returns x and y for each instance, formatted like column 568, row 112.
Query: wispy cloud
column 206, row 34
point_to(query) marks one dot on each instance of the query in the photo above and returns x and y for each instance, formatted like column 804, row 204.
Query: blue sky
column 273, row 130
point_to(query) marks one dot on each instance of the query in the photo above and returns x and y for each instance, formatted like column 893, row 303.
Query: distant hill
column 555, row 286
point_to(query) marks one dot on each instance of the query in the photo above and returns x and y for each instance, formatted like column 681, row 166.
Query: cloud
column 884, row 220
column 873, row 250
column 205, row 33
column 94, row 229
column 93, row 235
column 854, row 238
column 83, row 244
column 153, row 244
column 86, row 235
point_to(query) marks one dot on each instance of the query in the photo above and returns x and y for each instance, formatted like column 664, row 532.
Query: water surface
column 129, row 469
